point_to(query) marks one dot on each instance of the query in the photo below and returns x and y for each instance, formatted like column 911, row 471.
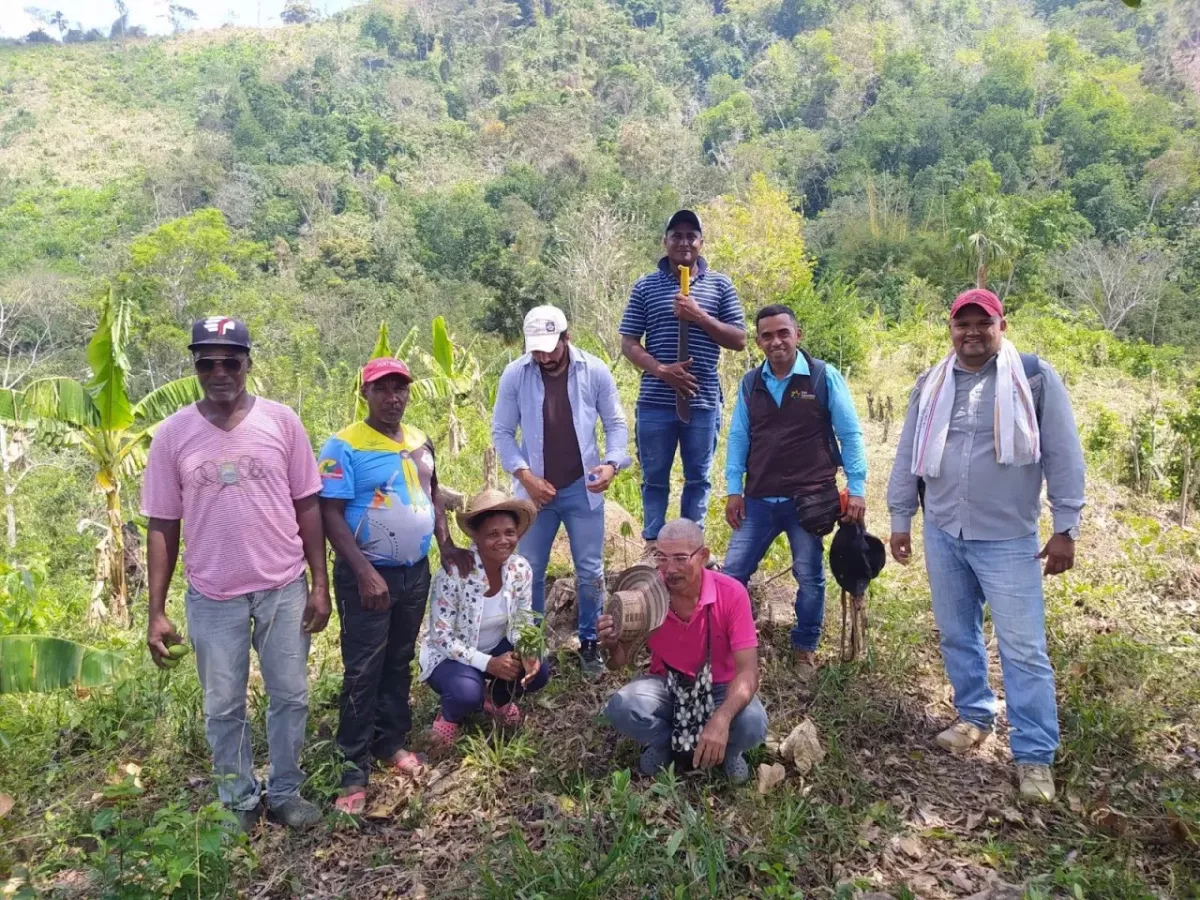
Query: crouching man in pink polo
column 699, row 701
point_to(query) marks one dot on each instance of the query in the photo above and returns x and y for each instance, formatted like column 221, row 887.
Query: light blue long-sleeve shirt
column 593, row 394
column 846, row 429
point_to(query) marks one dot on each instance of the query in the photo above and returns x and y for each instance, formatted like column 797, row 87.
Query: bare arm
column 312, row 536
column 714, row 737
column 731, row 337
column 632, row 350
column 162, row 553
column 333, row 515
column 451, row 554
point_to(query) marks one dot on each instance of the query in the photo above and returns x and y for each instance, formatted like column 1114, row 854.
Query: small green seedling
column 531, row 635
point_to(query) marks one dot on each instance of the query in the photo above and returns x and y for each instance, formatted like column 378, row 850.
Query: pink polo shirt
column 234, row 491
column 680, row 644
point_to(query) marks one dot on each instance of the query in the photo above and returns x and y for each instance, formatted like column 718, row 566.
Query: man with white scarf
column 984, row 427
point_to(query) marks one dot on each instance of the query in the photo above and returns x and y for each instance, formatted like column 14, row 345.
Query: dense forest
column 438, row 167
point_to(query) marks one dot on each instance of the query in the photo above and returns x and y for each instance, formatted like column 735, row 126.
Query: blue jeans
column 658, row 433
column 963, row 576
column 585, row 531
column 642, row 711
column 223, row 631
column 463, row 688
column 765, row 521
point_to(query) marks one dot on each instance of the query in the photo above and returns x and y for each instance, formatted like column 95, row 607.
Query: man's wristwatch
column 1072, row 533
column 616, row 468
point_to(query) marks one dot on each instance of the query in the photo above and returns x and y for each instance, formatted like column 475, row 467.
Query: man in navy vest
column 794, row 424
column 712, row 315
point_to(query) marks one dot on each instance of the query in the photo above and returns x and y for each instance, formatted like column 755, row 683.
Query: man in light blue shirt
column 555, row 394
column 794, row 424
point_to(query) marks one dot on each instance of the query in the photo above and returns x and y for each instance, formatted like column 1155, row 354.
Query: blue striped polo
column 651, row 314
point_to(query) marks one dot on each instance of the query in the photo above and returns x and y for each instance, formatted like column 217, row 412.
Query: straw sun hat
column 492, row 500
column 637, row 603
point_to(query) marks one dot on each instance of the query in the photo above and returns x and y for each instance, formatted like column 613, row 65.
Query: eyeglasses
column 677, row 559
column 683, row 237
column 231, row 364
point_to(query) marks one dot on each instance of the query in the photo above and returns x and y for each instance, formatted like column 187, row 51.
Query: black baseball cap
column 684, row 217
column 220, row 331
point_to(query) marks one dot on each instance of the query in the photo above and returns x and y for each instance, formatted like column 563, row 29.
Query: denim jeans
column 963, row 576
column 658, row 433
column 585, row 530
column 766, row 520
column 642, row 711
column 377, row 654
column 223, row 631
column 463, row 687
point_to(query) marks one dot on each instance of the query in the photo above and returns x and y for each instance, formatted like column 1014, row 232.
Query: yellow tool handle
column 685, row 275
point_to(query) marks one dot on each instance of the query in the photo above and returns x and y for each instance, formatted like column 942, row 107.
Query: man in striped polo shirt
column 712, row 314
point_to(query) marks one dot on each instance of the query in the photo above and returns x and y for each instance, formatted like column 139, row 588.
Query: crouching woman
column 468, row 654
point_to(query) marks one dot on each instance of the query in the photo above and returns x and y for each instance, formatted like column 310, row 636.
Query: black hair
column 775, row 309
column 476, row 522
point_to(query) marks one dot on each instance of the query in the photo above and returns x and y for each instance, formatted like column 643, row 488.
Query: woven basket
column 637, row 603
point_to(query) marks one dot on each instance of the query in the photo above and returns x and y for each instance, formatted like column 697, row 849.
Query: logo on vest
column 799, row 394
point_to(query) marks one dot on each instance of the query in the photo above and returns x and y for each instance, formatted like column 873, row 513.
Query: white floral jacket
column 456, row 612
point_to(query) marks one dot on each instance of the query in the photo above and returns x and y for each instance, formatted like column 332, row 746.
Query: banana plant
column 98, row 418
column 37, row 664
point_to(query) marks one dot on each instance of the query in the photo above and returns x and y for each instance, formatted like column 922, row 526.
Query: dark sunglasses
column 231, row 364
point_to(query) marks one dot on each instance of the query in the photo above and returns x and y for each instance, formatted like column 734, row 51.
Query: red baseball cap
column 383, row 367
column 984, row 299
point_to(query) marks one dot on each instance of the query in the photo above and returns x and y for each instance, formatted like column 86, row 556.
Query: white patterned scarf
column 1015, row 433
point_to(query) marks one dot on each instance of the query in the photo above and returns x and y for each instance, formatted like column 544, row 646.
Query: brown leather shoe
column 805, row 664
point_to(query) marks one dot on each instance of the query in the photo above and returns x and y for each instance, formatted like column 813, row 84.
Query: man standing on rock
column 555, row 394
column 679, row 404
column 382, row 512
column 239, row 471
column 984, row 427
column 794, row 424
column 700, row 696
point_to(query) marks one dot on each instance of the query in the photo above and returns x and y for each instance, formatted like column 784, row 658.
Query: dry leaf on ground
column 769, row 776
column 802, row 747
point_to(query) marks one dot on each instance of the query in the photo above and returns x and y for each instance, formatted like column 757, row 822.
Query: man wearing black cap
column 239, row 472
column 679, row 404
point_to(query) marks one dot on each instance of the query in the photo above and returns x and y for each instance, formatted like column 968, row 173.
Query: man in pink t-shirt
column 239, row 473
column 709, row 618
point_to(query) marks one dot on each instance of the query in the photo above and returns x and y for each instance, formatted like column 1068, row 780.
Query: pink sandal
column 508, row 714
column 443, row 733
column 403, row 762
column 351, row 801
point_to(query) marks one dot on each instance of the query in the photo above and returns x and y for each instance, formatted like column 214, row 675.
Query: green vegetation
column 442, row 167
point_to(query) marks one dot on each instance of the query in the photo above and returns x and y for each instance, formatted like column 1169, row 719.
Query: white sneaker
column 1036, row 783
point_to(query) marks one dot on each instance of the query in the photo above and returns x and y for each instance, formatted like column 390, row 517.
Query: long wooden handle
column 683, row 406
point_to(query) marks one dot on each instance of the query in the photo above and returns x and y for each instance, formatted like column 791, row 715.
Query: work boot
column 296, row 812
column 247, row 818
column 805, row 664
column 961, row 737
column 649, row 549
column 589, row 659
column 1036, row 783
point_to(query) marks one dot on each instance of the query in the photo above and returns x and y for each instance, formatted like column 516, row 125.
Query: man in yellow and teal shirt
column 382, row 512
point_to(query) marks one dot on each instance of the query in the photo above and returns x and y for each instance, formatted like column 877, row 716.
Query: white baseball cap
column 543, row 325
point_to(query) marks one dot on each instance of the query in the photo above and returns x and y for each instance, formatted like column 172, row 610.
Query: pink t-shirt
column 680, row 644
column 234, row 492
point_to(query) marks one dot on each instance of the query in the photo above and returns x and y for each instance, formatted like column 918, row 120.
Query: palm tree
column 987, row 233
column 59, row 21
column 98, row 418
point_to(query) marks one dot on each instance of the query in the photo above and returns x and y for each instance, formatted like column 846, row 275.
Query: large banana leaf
column 167, row 399
column 63, row 401
column 106, row 357
column 12, row 406
column 405, row 347
column 32, row 663
column 443, row 349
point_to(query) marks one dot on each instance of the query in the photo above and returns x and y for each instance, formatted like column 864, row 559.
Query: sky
column 16, row 22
